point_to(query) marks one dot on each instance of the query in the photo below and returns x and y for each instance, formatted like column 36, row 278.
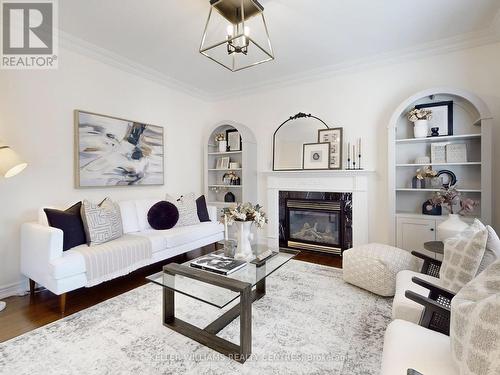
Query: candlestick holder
column 348, row 163
column 359, row 161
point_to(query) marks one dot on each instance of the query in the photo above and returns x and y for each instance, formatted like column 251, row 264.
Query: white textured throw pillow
column 492, row 252
column 188, row 212
column 102, row 222
column 475, row 324
column 462, row 256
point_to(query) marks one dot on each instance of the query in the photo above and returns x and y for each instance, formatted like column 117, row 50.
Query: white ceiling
column 307, row 35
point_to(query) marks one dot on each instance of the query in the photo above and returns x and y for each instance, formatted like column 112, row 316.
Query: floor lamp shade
column 10, row 163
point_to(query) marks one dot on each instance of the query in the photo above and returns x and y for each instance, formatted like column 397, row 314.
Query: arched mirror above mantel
column 290, row 137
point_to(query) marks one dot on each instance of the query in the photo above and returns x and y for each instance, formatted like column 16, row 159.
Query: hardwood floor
column 25, row 313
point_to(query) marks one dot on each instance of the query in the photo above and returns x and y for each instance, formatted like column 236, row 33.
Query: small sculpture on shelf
column 425, row 178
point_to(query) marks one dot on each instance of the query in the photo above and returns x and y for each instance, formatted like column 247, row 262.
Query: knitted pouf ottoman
column 374, row 267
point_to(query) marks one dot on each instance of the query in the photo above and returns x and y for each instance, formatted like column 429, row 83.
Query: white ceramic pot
column 244, row 247
column 222, row 146
column 421, row 128
column 451, row 227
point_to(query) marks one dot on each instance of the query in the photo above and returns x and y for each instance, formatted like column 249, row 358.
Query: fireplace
column 317, row 221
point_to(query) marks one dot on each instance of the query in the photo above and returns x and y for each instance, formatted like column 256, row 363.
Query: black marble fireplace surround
column 316, row 221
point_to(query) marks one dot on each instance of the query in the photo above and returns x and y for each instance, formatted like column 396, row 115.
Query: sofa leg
column 62, row 303
column 32, row 287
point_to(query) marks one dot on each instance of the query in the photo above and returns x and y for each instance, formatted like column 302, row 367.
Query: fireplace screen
column 319, row 227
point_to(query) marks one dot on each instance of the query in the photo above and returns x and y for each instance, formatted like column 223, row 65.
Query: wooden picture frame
column 442, row 116
column 316, row 156
column 335, row 137
column 110, row 152
column 222, row 163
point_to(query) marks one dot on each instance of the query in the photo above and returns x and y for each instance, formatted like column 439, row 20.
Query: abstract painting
column 117, row 152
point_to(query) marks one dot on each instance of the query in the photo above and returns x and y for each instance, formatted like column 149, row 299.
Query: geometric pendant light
column 236, row 34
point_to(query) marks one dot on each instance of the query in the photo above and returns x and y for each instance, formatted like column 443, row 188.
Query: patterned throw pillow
column 492, row 252
column 188, row 212
column 102, row 222
column 462, row 256
column 475, row 324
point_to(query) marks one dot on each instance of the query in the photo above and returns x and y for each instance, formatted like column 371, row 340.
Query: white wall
column 36, row 119
column 362, row 102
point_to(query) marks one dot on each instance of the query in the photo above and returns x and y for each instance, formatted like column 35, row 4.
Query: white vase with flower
column 244, row 216
column 450, row 198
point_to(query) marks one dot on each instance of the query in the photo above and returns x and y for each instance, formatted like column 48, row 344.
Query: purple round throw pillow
column 163, row 215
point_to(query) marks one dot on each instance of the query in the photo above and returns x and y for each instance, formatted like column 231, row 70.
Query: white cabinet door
column 413, row 233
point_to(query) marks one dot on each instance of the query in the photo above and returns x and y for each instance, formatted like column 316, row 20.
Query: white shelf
column 427, row 190
column 439, row 164
column 226, row 186
column 223, row 204
column 446, row 138
column 225, row 153
column 222, row 170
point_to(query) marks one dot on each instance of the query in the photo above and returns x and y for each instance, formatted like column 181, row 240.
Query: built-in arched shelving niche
column 215, row 188
column 472, row 126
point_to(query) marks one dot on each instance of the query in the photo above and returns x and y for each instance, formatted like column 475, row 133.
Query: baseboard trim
column 14, row 289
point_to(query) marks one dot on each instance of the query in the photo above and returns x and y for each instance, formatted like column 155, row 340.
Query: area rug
column 309, row 322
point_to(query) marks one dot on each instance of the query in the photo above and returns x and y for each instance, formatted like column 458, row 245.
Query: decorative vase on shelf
column 421, row 128
column 451, row 227
column 244, row 236
column 222, row 146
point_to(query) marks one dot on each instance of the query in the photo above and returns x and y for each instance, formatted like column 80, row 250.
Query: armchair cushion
column 462, row 256
column 408, row 345
column 475, row 324
column 404, row 308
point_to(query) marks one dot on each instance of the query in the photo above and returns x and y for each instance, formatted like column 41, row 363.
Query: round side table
column 434, row 247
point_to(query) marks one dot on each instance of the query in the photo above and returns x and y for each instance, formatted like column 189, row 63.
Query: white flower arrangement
column 219, row 137
column 419, row 114
column 246, row 212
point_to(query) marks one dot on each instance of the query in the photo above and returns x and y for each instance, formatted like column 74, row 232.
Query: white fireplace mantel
column 342, row 181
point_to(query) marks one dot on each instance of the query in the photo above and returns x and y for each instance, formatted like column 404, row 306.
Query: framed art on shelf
column 222, row 163
column 442, row 117
column 333, row 136
column 111, row 151
column 316, row 156
column 233, row 138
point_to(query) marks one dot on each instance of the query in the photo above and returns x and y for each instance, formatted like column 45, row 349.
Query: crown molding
column 489, row 35
column 72, row 43
column 486, row 36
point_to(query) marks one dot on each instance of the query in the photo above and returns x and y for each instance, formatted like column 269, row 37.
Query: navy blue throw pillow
column 70, row 222
column 163, row 215
column 201, row 207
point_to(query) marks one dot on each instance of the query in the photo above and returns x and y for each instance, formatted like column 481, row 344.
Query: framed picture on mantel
column 316, row 156
column 334, row 137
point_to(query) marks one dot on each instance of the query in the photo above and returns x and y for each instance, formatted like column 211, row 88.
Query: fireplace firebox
column 317, row 221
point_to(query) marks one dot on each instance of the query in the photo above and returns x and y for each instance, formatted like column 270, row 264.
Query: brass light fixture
column 236, row 34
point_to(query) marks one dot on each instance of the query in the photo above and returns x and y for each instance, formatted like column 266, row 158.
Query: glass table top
column 218, row 296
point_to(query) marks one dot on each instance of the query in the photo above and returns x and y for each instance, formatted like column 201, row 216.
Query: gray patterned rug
column 309, row 322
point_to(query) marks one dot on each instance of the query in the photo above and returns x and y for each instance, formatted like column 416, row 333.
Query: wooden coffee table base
column 208, row 335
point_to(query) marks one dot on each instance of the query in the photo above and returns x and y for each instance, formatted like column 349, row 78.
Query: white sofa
column 43, row 260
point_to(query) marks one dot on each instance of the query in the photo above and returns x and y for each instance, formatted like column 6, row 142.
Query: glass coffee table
column 248, row 284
